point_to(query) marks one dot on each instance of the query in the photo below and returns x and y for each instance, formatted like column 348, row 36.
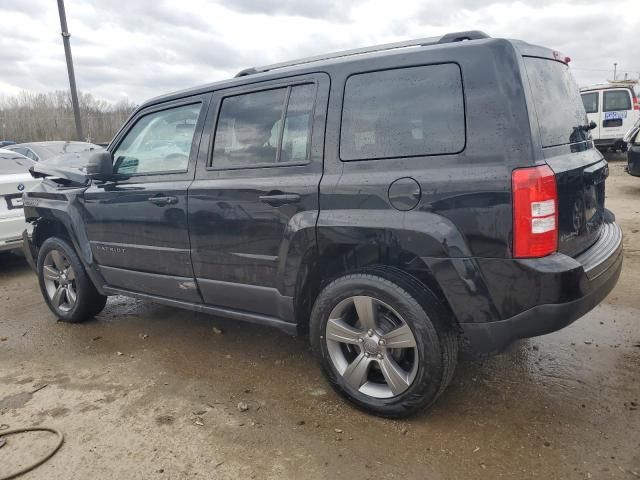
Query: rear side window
column 557, row 102
column 264, row 128
column 20, row 150
column 590, row 102
column 31, row 155
column 403, row 112
column 616, row 100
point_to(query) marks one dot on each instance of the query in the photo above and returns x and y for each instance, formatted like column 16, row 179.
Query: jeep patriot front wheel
column 65, row 285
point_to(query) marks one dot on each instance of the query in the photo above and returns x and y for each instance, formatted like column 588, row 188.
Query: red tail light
column 535, row 212
column 636, row 104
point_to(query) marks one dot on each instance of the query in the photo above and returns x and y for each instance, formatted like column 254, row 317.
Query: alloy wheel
column 371, row 347
column 59, row 281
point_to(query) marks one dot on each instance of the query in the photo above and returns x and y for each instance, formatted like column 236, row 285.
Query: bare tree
column 31, row 117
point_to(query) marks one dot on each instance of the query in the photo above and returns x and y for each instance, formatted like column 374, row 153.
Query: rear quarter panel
column 465, row 206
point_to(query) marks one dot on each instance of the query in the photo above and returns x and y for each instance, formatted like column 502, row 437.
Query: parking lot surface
column 148, row 391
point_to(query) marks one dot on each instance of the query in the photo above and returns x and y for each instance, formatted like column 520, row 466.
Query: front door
column 137, row 225
column 254, row 203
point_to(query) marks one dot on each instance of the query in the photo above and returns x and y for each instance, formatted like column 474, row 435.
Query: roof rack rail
column 420, row 42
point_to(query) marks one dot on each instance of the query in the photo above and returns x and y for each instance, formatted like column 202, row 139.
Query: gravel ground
column 147, row 391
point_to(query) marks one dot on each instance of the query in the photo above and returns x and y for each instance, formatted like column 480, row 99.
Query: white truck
column 614, row 108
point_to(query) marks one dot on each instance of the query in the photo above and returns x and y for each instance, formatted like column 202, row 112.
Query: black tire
column 430, row 322
column 89, row 302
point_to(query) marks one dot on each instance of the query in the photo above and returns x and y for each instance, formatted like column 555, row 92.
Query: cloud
column 325, row 9
column 143, row 48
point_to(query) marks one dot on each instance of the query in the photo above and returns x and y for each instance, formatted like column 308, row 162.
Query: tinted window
column 250, row 132
column 296, row 138
column 158, row 142
column 557, row 102
column 403, row 112
column 616, row 100
column 590, row 102
column 248, row 129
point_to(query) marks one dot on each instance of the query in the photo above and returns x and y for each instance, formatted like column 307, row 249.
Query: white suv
column 614, row 108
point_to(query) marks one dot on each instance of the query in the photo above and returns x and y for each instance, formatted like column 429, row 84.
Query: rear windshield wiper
column 590, row 126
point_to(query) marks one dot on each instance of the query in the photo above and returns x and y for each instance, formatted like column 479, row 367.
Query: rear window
column 616, row 100
column 10, row 164
column 403, row 112
column 557, row 102
column 590, row 102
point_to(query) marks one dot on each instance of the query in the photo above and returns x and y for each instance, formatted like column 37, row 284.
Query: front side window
column 590, row 102
column 159, row 142
column 616, row 100
column 250, row 130
column 403, row 112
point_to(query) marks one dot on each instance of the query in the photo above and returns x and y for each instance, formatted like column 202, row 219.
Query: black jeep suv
column 387, row 201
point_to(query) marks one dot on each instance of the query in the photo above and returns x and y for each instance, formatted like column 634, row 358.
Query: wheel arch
column 337, row 260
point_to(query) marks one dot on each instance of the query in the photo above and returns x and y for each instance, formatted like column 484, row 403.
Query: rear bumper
column 582, row 288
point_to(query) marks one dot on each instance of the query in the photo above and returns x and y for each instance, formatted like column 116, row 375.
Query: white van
column 615, row 109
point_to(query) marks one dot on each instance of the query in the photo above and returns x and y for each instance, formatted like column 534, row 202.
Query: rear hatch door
column 568, row 149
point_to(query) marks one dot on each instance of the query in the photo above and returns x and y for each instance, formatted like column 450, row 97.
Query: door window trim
column 238, row 91
column 183, row 102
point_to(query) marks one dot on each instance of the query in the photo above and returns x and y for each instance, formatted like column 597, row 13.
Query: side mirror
column 592, row 125
column 100, row 165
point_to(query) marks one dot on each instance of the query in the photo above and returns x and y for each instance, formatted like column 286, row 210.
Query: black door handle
column 162, row 201
column 279, row 199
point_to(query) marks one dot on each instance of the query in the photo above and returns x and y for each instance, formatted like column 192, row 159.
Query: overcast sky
column 138, row 49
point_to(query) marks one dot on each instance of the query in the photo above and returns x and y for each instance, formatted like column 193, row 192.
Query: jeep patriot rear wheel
column 382, row 348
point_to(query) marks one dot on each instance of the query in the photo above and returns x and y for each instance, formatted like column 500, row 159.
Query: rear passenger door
column 254, row 203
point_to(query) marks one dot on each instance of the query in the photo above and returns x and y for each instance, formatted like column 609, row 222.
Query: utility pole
column 72, row 78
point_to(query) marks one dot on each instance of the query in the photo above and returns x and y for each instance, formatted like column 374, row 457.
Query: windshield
column 557, row 102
